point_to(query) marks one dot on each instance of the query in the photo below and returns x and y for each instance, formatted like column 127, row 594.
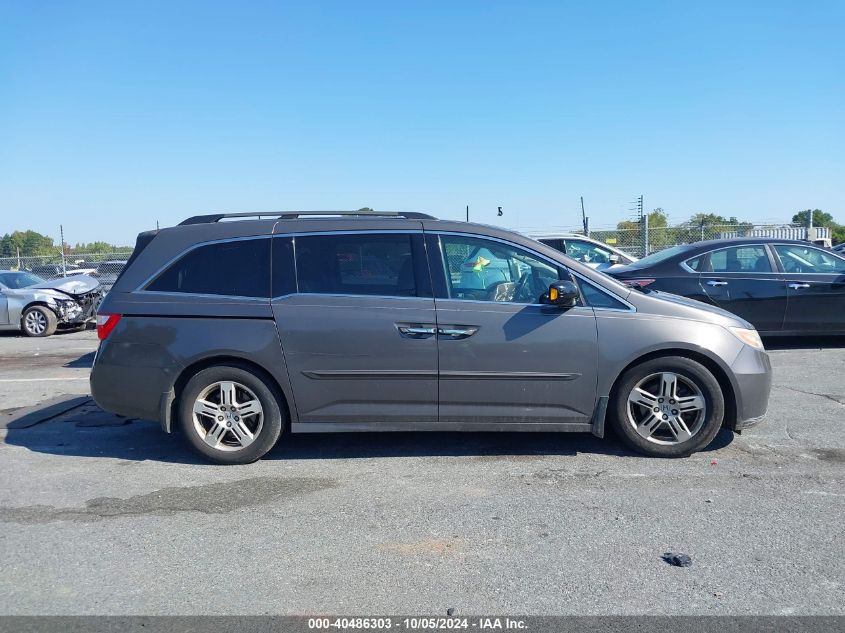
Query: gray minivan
column 236, row 330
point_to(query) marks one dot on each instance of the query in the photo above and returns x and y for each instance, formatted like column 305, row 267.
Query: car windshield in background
column 656, row 258
column 19, row 280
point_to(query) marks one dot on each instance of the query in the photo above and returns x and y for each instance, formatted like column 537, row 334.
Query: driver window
column 805, row 259
column 587, row 253
column 484, row 270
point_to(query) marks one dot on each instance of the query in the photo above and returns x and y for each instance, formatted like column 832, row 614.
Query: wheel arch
column 719, row 372
column 170, row 401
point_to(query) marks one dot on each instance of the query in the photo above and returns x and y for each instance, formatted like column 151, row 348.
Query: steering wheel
column 520, row 287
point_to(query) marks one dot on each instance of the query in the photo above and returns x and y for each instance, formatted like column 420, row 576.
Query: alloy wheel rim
column 666, row 408
column 35, row 322
column 227, row 416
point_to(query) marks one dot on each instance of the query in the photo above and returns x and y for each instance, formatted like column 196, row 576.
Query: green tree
column 29, row 243
column 820, row 218
column 98, row 247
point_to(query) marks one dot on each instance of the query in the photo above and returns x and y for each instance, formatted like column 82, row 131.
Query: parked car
column 38, row 307
column 782, row 287
column 108, row 272
column 237, row 331
column 840, row 248
column 588, row 251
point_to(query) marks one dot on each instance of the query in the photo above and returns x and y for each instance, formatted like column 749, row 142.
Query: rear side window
column 740, row 259
column 240, row 268
column 365, row 264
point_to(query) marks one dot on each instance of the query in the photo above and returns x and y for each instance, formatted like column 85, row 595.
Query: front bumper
column 752, row 372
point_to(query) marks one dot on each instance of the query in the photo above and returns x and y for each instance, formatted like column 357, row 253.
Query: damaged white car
column 39, row 307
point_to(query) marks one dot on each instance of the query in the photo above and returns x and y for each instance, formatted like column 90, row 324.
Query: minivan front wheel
column 230, row 414
column 668, row 407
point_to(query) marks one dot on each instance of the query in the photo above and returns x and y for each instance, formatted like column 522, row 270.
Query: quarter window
column 240, row 268
column 484, row 270
column 358, row 264
column 797, row 258
column 740, row 259
column 599, row 298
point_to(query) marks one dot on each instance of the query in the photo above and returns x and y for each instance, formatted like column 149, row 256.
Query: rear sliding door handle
column 797, row 286
column 717, row 283
column 455, row 332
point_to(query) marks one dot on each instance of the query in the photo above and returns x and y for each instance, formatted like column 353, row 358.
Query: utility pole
column 640, row 208
column 584, row 219
column 62, row 246
column 467, row 213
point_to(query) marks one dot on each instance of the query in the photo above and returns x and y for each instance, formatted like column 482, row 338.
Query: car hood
column 74, row 285
column 689, row 308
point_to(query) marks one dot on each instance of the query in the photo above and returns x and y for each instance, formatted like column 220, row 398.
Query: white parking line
column 42, row 379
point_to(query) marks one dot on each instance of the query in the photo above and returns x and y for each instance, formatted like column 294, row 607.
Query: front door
column 504, row 357
column 742, row 279
column 815, row 282
column 357, row 327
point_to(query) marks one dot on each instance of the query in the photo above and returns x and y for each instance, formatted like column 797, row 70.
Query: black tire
column 39, row 321
column 688, row 370
column 227, row 452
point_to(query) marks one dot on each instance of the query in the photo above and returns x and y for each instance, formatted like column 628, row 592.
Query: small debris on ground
column 450, row 611
column 714, row 462
column 677, row 560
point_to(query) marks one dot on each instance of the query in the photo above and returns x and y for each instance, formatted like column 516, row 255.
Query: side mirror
column 562, row 293
column 614, row 258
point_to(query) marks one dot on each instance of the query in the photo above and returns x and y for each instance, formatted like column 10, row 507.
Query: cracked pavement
column 104, row 515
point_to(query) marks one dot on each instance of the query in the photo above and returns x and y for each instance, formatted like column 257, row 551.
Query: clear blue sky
column 116, row 114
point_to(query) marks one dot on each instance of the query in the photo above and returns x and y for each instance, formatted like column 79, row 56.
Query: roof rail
column 292, row 215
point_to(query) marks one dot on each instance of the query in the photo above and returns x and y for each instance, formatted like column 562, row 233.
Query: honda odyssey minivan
column 236, row 329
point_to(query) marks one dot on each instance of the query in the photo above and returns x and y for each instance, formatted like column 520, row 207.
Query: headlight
column 749, row 336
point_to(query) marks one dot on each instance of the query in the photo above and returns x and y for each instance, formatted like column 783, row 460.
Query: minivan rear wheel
column 230, row 414
column 668, row 407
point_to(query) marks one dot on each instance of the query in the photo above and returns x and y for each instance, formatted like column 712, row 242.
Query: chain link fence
column 641, row 240
column 105, row 267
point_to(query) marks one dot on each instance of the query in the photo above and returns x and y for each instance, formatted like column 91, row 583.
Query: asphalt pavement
column 104, row 515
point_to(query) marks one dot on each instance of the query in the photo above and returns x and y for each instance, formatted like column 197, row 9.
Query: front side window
column 587, row 252
column 797, row 258
column 740, row 259
column 485, row 270
column 239, row 268
column 356, row 264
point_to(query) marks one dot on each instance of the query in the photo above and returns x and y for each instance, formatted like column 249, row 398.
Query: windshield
column 656, row 258
column 19, row 280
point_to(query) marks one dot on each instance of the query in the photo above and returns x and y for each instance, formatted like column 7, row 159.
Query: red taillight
column 105, row 324
column 637, row 283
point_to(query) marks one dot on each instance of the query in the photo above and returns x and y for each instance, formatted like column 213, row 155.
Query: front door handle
column 415, row 331
column 797, row 286
column 456, row 332
column 717, row 283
